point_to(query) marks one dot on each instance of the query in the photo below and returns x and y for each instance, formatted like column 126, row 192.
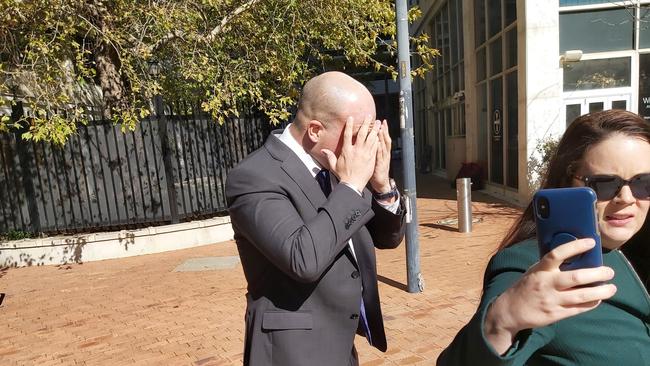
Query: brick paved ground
column 139, row 311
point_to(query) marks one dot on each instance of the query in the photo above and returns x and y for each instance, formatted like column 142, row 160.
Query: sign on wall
column 497, row 125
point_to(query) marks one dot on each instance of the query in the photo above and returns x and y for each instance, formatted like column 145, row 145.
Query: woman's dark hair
column 584, row 132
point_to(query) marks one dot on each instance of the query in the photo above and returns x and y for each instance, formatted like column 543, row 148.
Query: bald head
column 332, row 97
column 327, row 101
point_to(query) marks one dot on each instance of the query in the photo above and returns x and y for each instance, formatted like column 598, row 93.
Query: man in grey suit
column 306, row 238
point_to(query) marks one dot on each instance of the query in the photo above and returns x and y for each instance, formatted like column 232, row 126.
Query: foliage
column 539, row 160
column 598, row 80
column 60, row 56
column 16, row 235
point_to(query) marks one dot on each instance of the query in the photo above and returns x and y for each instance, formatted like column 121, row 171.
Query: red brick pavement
column 137, row 311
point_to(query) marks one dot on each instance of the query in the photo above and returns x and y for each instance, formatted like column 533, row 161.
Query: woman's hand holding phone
column 546, row 294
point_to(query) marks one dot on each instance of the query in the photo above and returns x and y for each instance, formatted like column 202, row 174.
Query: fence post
column 26, row 168
column 167, row 161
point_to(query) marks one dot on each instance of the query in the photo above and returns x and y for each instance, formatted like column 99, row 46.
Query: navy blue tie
column 323, row 179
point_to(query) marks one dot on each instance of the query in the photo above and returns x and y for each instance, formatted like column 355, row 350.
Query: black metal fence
column 172, row 168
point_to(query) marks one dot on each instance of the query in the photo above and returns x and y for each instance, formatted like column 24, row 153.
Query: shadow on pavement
column 393, row 283
column 441, row 227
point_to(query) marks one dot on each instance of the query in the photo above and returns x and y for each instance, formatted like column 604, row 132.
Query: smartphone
column 566, row 214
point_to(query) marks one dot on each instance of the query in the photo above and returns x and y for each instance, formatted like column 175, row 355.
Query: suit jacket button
column 354, row 316
column 355, row 274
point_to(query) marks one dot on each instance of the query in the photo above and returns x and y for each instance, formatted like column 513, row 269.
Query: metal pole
column 414, row 277
column 464, row 202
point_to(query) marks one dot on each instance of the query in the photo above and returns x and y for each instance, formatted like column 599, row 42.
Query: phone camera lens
column 543, row 208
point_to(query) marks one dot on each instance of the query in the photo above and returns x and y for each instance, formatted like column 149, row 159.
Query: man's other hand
column 380, row 181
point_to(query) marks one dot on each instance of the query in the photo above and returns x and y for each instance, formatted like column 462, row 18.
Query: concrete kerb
column 118, row 244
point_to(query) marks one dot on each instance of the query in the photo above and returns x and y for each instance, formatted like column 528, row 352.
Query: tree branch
column 166, row 38
column 213, row 33
column 218, row 29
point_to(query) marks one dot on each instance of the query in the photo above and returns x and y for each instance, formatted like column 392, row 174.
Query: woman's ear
column 314, row 130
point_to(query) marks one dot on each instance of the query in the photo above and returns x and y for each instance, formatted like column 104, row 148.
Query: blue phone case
column 571, row 215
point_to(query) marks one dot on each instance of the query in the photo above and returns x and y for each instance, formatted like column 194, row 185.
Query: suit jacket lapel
column 295, row 168
column 299, row 173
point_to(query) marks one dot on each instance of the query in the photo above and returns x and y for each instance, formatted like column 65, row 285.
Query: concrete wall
column 541, row 97
column 109, row 245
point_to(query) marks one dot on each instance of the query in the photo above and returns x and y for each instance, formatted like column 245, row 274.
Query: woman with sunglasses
column 530, row 312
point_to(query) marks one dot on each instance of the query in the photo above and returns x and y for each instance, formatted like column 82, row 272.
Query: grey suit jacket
column 304, row 286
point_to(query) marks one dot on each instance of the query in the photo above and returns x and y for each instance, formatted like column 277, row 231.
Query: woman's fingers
column 553, row 259
column 586, row 295
column 582, row 277
column 545, row 294
column 581, row 308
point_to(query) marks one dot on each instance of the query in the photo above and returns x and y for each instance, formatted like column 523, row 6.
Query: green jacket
column 617, row 332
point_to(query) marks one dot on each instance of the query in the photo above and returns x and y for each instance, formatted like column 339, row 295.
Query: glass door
column 576, row 107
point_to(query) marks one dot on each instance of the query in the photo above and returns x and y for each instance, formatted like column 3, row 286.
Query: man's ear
column 314, row 130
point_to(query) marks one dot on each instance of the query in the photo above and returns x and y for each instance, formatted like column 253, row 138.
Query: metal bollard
column 464, row 201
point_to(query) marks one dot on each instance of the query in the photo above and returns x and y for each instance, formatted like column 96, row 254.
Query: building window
column 597, row 30
column 494, row 17
column 573, row 111
column 511, row 11
column 511, row 48
column 444, row 104
column 479, row 21
column 449, row 76
column 583, row 2
column 512, row 112
column 497, row 92
column 496, row 131
column 483, row 124
column 496, row 60
column 614, row 38
column 480, row 64
column 597, row 74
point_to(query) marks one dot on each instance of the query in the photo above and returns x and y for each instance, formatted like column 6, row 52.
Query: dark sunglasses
column 607, row 186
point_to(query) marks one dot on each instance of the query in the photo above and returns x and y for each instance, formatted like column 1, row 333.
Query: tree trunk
column 107, row 59
column 110, row 80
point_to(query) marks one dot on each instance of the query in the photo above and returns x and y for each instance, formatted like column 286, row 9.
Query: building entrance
column 576, row 107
